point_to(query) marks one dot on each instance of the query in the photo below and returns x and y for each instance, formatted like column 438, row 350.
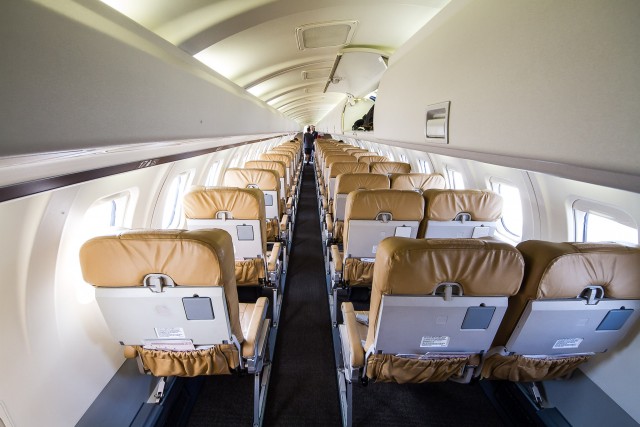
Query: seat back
column 284, row 158
column 289, row 151
column 576, row 298
column 388, row 168
column 239, row 211
column 372, row 215
column 334, row 158
column 165, row 287
column 277, row 166
column 440, row 295
column 368, row 159
column 338, row 168
column 348, row 182
column 352, row 150
column 419, row 182
column 266, row 180
column 362, row 153
column 460, row 213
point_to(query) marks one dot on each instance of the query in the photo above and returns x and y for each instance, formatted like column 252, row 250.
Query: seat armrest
column 329, row 220
column 284, row 222
column 289, row 202
column 337, row 257
column 249, row 345
column 272, row 262
column 354, row 345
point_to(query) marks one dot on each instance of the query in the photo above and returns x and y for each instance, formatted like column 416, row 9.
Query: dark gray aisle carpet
column 304, row 389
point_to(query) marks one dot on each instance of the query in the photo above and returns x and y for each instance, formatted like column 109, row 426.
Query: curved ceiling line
column 283, row 71
column 244, row 21
column 295, row 88
column 300, row 99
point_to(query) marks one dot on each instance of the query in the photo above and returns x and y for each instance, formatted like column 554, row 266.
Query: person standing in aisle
column 308, row 141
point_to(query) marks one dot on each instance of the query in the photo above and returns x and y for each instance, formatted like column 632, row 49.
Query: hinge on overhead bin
column 156, row 281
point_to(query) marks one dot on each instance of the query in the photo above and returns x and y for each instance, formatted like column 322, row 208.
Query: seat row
column 449, row 302
column 457, row 309
column 171, row 297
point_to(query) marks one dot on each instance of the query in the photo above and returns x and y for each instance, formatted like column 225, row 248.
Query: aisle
column 303, row 390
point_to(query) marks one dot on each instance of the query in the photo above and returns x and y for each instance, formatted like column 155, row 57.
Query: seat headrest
column 444, row 205
column 390, row 167
column 418, row 266
column 189, row 258
column 283, row 152
column 348, row 182
column 338, row 168
column 417, row 181
column 362, row 153
column 563, row 270
column 371, row 159
column 280, row 157
column 406, row 266
column 367, row 204
column 265, row 179
column 206, row 202
column 334, row 158
column 278, row 166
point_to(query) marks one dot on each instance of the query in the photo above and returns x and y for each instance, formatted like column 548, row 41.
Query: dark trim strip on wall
column 29, row 188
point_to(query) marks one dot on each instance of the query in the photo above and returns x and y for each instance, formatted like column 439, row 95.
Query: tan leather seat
column 460, row 213
column 169, row 296
column 419, row 182
column 286, row 159
column 346, row 183
column 370, row 216
column 576, row 300
column 241, row 212
column 269, row 182
column 330, row 159
column 336, row 169
column 435, row 307
column 388, row 168
column 372, row 159
column 285, row 192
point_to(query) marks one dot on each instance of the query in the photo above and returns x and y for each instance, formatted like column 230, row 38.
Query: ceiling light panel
column 319, row 73
column 325, row 34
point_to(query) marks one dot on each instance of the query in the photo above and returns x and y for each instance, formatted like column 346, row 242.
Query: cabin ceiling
column 285, row 51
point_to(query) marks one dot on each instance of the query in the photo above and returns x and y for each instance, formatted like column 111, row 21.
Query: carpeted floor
column 303, row 389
